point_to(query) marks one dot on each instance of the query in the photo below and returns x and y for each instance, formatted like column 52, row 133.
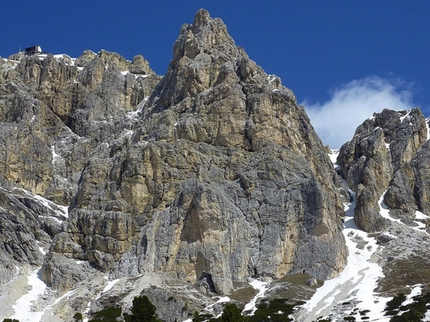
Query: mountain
column 205, row 185
column 386, row 224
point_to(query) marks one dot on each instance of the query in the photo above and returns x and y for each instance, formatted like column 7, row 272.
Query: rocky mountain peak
column 116, row 182
column 223, row 178
column 205, row 34
column 200, row 52
column 202, row 17
column 196, row 182
column 215, row 94
column 384, row 159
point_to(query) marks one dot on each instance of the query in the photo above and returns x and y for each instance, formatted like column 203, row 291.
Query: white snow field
column 24, row 306
column 262, row 288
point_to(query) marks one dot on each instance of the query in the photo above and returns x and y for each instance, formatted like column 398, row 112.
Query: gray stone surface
column 386, row 158
column 209, row 176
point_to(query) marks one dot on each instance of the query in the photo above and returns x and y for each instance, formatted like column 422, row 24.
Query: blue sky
column 320, row 49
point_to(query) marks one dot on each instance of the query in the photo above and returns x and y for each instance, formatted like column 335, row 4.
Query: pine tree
column 142, row 310
column 197, row 317
column 232, row 313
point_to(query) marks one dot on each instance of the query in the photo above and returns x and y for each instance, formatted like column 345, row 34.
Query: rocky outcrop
column 211, row 176
column 385, row 159
column 58, row 112
column 50, row 124
column 26, row 229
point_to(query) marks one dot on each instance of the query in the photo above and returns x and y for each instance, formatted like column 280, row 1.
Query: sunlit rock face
column 387, row 158
column 210, row 175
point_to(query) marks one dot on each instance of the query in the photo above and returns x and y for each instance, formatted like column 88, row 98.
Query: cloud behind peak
column 350, row 104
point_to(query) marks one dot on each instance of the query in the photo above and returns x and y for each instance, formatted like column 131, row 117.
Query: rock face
column 387, row 158
column 211, row 175
column 223, row 176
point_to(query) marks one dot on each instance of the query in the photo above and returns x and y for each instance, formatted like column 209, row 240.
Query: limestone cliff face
column 53, row 118
column 211, row 175
column 386, row 158
column 222, row 176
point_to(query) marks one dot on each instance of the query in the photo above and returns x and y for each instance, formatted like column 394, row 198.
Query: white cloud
column 336, row 120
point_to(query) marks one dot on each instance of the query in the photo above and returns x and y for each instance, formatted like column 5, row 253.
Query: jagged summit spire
column 202, row 17
column 206, row 34
column 199, row 54
column 210, row 77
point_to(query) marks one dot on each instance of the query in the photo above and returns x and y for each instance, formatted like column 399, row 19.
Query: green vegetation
column 277, row 310
column 414, row 311
column 392, row 307
column 402, row 272
column 10, row 320
column 142, row 311
column 230, row 313
column 197, row 317
column 109, row 314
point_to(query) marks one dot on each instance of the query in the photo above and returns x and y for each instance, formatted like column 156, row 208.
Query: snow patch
column 55, row 157
column 262, row 288
column 389, row 235
column 109, row 285
column 406, row 116
column 420, row 216
column 223, row 299
column 385, row 211
column 414, row 292
column 24, row 306
column 62, row 211
column 333, row 156
column 356, row 283
column 134, row 115
column 127, row 72
column 41, row 249
column 428, row 128
column 65, row 295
